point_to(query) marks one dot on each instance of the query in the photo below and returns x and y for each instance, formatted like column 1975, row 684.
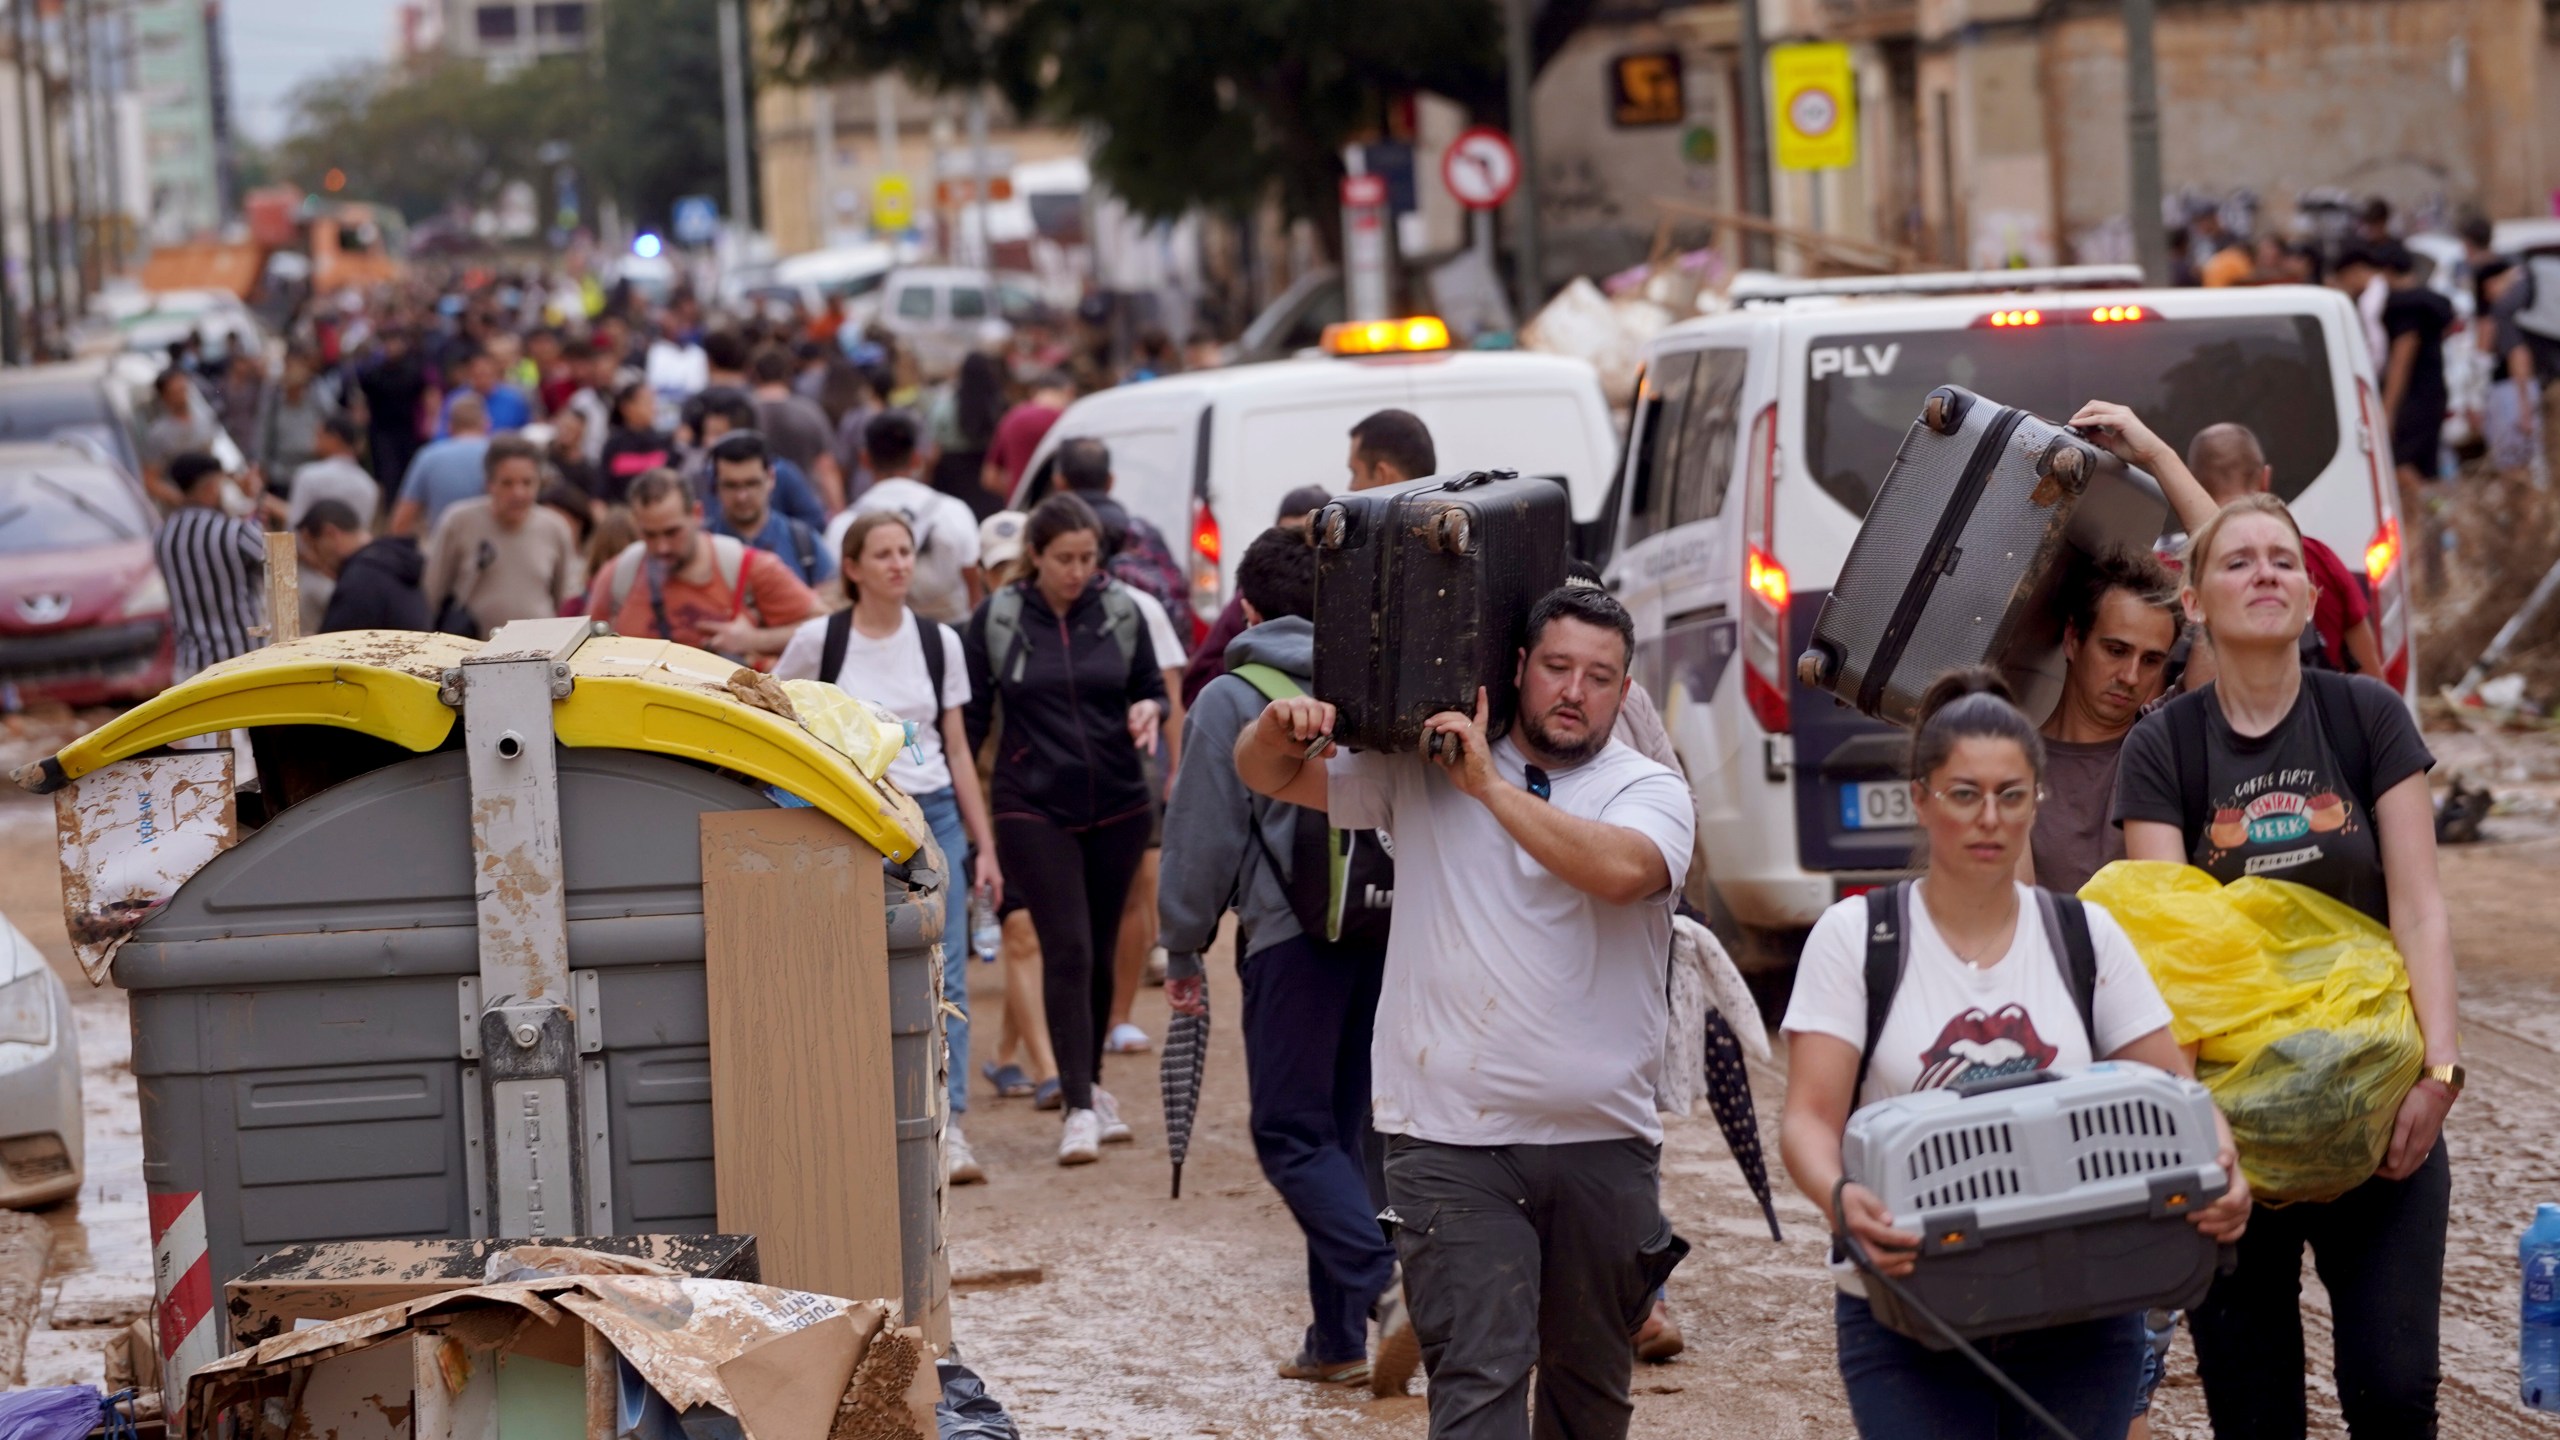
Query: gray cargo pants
column 1529, row 1256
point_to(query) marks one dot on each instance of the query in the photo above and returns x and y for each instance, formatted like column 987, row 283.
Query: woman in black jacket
column 1062, row 672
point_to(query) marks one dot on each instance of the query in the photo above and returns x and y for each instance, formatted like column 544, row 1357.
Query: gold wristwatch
column 2449, row 1076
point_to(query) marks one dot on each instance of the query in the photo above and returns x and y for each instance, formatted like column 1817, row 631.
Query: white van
column 1208, row 455
column 1759, row 438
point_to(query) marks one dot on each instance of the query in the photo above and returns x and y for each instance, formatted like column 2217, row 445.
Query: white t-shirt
column 1170, row 651
column 946, row 532
column 1516, row 1010
column 891, row 672
column 1951, row 1023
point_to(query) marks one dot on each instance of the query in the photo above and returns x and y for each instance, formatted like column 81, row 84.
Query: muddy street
column 1162, row 1318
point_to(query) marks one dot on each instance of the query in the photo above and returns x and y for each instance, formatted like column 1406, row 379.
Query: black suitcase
column 1965, row 552
column 1423, row 593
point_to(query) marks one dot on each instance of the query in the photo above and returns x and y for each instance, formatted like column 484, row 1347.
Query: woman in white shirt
column 886, row 661
column 1982, row 994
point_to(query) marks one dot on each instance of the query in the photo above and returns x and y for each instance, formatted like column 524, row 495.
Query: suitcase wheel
column 1332, row 527
column 1450, row 534
column 1815, row 668
column 1943, row 411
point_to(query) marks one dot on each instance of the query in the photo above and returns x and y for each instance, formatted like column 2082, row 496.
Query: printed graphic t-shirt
column 1952, row 1024
column 2279, row 804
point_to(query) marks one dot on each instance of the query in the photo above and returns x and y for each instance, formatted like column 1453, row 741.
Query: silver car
column 40, row 1149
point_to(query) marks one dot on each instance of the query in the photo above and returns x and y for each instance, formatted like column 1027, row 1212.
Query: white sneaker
column 1115, row 1131
column 959, row 1162
column 1080, row 1143
column 1125, row 1039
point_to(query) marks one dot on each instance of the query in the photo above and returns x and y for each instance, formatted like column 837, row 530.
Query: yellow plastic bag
column 2299, row 1007
column 865, row 732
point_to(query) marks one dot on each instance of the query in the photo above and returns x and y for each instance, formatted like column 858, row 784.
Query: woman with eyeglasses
column 1985, row 991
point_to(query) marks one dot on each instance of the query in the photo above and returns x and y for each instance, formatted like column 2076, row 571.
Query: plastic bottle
column 984, row 933
column 2539, row 1354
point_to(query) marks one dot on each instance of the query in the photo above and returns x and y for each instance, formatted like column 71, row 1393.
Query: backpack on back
column 1007, row 653
column 839, row 638
column 1341, row 884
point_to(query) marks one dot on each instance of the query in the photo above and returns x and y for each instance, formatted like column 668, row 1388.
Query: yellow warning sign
column 1816, row 96
column 893, row 203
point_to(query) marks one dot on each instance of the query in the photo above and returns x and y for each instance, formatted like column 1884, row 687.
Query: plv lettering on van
column 1858, row 362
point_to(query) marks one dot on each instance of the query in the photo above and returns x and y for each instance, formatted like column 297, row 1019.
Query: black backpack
column 2066, row 933
column 2333, row 704
column 840, row 638
column 1341, row 884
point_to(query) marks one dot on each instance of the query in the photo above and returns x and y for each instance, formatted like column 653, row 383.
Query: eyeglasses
column 2014, row 801
column 1538, row 783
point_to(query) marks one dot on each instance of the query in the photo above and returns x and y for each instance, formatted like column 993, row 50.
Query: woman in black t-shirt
column 2319, row 779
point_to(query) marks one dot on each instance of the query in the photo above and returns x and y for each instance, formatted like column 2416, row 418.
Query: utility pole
column 2142, row 135
column 1755, row 135
column 66, row 268
column 77, row 116
column 733, row 111
column 39, row 244
column 1528, row 278
column 822, row 163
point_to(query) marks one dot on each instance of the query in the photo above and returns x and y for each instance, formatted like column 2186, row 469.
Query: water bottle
column 2539, row 1354
column 984, row 933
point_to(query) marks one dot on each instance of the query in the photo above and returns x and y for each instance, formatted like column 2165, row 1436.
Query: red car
column 84, row 616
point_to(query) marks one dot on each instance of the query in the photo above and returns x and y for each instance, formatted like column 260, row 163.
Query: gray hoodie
column 1210, row 860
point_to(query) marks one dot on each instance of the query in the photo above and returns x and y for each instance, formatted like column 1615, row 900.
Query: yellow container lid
column 626, row 694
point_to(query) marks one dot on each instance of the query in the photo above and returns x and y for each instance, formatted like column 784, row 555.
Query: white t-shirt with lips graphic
column 1952, row 1023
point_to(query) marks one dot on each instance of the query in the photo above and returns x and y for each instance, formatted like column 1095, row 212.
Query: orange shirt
column 766, row 589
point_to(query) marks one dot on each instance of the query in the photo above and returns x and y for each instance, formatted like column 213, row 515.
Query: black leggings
column 1074, row 882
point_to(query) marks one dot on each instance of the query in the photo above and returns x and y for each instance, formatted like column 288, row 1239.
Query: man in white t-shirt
column 1518, row 1029
column 948, row 584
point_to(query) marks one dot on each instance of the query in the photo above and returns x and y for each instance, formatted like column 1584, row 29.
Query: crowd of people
column 1453, row 968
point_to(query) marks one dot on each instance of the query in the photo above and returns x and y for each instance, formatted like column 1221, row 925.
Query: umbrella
column 1186, row 1059
column 1729, row 1094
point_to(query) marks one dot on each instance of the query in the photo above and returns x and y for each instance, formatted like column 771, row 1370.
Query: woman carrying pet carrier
column 1996, row 978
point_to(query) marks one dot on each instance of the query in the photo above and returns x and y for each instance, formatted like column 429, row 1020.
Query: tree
column 658, row 116
column 1209, row 103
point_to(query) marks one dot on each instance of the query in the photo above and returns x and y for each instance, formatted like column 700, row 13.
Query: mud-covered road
column 1163, row 1318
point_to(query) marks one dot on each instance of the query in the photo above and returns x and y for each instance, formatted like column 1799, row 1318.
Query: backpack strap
column 2066, row 934
column 839, row 637
column 1888, row 931
column 929, row 634
column 804, row 541
column 1274, row 683
column 626, row 572
column 1122, row 621
column 2186, row 753
column 2333, row 698
column 1004, row 634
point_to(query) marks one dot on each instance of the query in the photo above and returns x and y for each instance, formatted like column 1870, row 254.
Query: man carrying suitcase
column 1519, row 1025
column 2115, row 649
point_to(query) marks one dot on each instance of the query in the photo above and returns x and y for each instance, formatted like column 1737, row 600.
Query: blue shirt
column 776, row 537
column 507, row 407
column 447, row 471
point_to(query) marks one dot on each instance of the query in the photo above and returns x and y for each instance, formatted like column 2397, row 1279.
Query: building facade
column 173, row 71
column 512, row 32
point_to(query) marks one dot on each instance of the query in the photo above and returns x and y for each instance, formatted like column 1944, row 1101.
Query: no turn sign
column 1480, row 168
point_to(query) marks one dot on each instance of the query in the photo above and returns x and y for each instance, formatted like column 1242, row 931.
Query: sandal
column 1047, row 1095
column 1010, row 1081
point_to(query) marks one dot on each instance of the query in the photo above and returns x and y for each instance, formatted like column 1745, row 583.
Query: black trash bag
column 966, row 1411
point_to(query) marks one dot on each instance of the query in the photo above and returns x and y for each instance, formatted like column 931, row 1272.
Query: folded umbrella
column 1729, row 1095
column 1186, row 1059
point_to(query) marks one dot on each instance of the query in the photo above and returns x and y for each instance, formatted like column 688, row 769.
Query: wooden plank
column 803, row 1114
column 284, row 588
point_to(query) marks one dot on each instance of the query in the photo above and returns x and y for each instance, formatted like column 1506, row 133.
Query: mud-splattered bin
column 311, row 1008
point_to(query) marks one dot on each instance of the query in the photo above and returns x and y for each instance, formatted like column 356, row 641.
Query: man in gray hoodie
column 1308, row 1004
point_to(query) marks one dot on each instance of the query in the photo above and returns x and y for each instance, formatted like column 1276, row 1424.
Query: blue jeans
column 942, row 812
column 2085, row 1374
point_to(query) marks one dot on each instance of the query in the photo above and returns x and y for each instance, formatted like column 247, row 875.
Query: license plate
column 1877, row 805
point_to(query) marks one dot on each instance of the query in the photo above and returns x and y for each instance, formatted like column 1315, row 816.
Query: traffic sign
column 697, row 219
column 1359, row 190
column 1480, row 168
column 1817, row 99
column 893, row 203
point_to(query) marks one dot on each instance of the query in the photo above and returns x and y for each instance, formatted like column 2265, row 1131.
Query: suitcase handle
column 1997, row 1083
column 1474, row 478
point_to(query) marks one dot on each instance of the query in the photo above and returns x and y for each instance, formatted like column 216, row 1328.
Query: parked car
column 84, row 615
column 1211, row 453
column 101, row 404
column 940, row 312
column 40, row 1138
column 1760, row 436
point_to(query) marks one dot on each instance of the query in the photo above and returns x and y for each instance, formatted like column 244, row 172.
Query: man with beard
column 1519, row 1028
column 2116, row 641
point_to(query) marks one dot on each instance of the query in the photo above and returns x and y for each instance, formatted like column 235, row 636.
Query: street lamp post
column 1529, row 278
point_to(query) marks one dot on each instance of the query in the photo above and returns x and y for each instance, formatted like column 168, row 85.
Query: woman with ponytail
column 1987, row 988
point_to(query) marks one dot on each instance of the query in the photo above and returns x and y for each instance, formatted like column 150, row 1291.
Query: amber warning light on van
column 1421, row 333
column 2034, row 319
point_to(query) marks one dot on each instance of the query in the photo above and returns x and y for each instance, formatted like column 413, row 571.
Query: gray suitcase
column 2043, row 1198
column 1965, row 552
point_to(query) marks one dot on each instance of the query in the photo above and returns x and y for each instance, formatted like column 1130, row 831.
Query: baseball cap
column 1000, row 538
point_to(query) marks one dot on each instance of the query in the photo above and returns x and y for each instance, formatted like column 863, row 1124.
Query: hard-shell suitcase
column 2043, row 1197
column 1965, row 553
column 1423, row 593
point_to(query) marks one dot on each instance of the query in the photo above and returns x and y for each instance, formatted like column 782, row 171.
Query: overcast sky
column 278, row 44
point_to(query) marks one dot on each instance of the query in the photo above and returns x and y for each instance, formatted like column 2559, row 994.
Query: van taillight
column 1207, row 597
column 2387, row 577
column 1765, row 677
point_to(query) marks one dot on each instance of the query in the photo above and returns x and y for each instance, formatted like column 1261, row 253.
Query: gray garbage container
column 297, row 1010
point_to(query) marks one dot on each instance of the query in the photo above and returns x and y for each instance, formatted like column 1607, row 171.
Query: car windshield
column 2268, row 372
column 42, row 512
column 39, row 412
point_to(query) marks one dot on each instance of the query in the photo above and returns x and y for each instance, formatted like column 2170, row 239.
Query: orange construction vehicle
column 331, row 244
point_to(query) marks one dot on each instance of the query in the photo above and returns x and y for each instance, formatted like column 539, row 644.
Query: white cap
column 1000, row 538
